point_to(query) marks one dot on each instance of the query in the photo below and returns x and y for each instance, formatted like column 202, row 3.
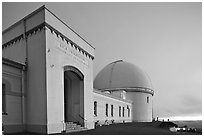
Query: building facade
column 109, row 109
column 47, row 80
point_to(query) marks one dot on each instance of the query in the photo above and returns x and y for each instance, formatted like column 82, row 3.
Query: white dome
column 121, row 75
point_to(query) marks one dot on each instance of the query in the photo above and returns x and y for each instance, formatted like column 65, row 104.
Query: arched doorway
column 73, row 95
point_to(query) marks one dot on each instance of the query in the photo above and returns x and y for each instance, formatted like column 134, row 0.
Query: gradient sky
column 164, row 39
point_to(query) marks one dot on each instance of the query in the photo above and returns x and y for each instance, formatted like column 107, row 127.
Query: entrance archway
column 73, row 95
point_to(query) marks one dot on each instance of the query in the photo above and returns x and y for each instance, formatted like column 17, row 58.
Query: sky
column 164, row 39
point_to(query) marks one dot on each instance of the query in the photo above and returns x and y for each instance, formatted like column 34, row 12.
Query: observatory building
column 128, row 81
column 48, row 86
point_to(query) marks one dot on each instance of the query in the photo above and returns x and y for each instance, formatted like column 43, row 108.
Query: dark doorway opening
column 73, row 95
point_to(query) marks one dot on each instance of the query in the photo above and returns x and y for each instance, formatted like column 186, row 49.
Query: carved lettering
column 72, row 53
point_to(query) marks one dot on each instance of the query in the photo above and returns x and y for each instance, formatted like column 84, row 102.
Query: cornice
column 111, row 96
column 68, row 41
column 46, row 26
column 13, row 63
column 13, row 41
column 131, row 89
column 23, row 19
column 69, row 27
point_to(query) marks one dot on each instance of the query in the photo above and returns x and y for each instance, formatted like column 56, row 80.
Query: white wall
column 58, row 55
column 45, row 71
column 35, row 93
column 16, row 52
column 36, row 78
column 102, row 100
column 141, row 110
column 13, row 121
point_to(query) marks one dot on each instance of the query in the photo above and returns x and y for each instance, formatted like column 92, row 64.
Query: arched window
column 128, row 111
column 112, row 110
column 95, row 108
column 107, row 110
column 119, row 111
column 123, row 111
column 147, row 99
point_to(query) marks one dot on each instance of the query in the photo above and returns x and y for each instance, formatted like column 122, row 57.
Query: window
column 123, row 111
column 3, row 98
column 95, row 108
column 147, row 99
column 119, row 111
column 128, row 111
column 107, row 110
column 112, row 110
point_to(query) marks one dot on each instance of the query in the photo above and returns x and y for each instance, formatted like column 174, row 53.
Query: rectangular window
column 112, row 110
column 95, row 108
column 147, row 99
column 123, row 111
column 3, row 98
column 107, row 110
column 119, row 111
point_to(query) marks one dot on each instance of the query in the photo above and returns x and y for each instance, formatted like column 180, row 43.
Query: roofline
column 69, row 27
column 27, row 16
column 111, row 96
column 38, row 10
column 131, row 89
column 52, row 29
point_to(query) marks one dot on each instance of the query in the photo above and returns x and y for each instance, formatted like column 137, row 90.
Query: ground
column 135, row 128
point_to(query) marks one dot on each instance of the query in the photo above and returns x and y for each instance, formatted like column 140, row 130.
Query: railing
column 85, row 121
column 64, row 126
column 3, row 113
column 78, row 121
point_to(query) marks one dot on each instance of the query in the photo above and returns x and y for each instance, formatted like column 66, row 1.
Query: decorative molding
column 25, row 18
column 36, row 29
column 75, row 70
column 69, row 42
column 69, row 28
column 13, row 64
column 10, row 74
column 14, row 93
column 130, row 89
column 13, row 41
column 112, row 96
column 46, row 26
column 27, row 34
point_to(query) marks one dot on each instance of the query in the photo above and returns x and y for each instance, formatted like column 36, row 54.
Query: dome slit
column 111, row 75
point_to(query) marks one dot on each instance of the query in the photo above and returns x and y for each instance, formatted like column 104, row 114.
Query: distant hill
column 195, row 124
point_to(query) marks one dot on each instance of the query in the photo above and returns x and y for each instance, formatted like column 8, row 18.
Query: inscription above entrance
column 71, row 53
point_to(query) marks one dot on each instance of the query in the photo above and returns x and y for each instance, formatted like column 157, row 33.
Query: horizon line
column 181, row 118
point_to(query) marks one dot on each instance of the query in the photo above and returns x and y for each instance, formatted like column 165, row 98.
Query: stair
column 73, row 127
